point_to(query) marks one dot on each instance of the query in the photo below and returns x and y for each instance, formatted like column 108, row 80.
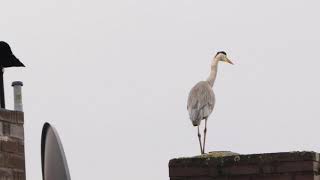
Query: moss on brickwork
column 216, row 154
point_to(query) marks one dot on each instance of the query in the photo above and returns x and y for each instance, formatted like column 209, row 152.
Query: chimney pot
column 17, row 95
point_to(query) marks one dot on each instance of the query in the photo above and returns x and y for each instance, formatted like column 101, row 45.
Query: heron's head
column 222, row 56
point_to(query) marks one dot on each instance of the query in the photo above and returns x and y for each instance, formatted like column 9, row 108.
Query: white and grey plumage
column 201, row 98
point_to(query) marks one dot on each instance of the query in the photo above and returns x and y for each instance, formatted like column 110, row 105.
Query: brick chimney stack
column 12, row 157
column 270, row 166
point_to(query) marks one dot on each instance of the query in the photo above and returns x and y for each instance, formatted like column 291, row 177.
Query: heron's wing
column 201, row 101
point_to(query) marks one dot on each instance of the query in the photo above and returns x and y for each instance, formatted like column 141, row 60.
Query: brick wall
column 271, row 166
column 12, row 159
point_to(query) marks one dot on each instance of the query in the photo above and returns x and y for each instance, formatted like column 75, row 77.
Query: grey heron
column 201, row 98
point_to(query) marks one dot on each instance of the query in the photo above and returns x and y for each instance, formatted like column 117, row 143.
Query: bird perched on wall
column 201, row 98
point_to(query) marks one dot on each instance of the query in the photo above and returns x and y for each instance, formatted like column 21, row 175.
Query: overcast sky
column 113, row 78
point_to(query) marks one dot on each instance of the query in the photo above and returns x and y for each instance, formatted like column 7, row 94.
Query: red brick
column 240, row 170
column 201, row 178
column 16, row 162
column 179, row 178
column 18, row 175
column 304, row 177
column 9, row 146
column 188, row 171
column 213, row 171
column 283, row 167
column 8, row 160
column 274, row 177
column 3, row 157
column 299, row 166
column 21, row 148
column 5, row 172
column 234, row 178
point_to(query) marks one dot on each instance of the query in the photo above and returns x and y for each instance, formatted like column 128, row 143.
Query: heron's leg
column 199, row 136
column 205, row 133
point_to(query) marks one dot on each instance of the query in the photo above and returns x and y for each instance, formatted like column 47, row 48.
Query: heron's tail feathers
column 195, row 123
column 195, row 117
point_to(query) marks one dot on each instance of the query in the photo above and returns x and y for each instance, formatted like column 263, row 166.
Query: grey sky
column 113, row 77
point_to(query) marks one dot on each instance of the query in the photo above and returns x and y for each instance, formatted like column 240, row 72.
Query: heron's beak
column 228, row 61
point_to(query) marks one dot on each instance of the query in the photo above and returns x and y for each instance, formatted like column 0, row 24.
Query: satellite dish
column 53, row 160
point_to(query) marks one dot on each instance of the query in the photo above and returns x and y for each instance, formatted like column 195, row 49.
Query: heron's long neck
column 213, row 73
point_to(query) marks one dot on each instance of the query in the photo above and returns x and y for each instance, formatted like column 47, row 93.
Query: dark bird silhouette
column 7, row 59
